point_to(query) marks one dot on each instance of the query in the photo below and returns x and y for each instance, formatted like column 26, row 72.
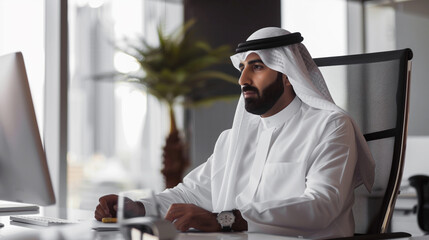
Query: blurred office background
column 103, row 135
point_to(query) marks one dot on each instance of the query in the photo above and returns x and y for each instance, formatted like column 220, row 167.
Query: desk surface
column 84, row 231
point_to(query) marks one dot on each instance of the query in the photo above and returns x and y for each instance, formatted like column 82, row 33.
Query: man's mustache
column 246, row 88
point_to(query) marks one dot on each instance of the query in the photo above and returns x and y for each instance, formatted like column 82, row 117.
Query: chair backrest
column 374, row 89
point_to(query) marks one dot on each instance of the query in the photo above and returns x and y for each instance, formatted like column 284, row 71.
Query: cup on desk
column 127, row 208
column 135, row 226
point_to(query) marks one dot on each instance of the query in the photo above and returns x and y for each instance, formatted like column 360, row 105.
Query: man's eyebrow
column 255, row 61
column 251, row 62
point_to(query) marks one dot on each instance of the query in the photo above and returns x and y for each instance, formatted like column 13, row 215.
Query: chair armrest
column 376, row 236
column 418, row 180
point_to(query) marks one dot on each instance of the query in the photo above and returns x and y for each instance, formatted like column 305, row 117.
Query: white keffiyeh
column 309, row 85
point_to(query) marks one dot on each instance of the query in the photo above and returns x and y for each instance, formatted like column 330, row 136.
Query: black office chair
column 374, row 89
column 421, row 184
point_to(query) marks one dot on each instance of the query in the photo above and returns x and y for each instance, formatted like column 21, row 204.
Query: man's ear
column 286, row 80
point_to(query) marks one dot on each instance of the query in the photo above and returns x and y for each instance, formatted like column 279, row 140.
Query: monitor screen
column 24, row 173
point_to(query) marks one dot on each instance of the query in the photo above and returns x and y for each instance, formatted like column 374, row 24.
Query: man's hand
column 186, row 216
column 108, row 207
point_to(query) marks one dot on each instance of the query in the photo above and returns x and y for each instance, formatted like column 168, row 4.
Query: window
column 22, row 29
column 114, row 144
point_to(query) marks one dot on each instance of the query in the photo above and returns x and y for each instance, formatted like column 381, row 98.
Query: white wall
column 416, row 156
column 324, row 35
column 412, row 31
column 323, row 24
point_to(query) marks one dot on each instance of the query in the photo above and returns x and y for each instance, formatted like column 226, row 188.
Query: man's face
column 261, row 86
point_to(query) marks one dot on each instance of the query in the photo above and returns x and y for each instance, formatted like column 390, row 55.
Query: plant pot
column 175, row 161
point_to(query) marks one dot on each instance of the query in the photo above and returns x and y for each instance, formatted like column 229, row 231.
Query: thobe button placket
column 259, row 161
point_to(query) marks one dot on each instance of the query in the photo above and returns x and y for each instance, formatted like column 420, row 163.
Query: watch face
column 226, row 218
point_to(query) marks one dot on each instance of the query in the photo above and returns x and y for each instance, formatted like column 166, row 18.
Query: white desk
column 84, row 231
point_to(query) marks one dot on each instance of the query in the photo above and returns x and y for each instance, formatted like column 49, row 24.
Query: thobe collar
column 283, row 116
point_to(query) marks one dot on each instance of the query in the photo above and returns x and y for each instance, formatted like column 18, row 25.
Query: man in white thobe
column 289, row 164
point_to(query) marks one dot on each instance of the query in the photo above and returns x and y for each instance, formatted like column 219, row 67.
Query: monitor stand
column 8, row 208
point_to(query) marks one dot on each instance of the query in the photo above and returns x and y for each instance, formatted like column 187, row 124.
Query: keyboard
column 41, row 220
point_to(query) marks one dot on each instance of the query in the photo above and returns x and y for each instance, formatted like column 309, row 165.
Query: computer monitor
column 24, row 173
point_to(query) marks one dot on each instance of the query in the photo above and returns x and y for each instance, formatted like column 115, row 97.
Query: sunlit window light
column 81, row 3
column 132, row 111
column 95, row 3
column 124, row 63
column 128, row 18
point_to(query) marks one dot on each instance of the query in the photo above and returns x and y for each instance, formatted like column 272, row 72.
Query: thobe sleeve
column 196, row 186
column 328, row 187
column 195, row 189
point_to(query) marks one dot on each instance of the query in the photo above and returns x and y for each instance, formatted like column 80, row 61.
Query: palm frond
column 178, row 65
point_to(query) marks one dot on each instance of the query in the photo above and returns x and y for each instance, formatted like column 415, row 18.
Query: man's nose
column 244, row 77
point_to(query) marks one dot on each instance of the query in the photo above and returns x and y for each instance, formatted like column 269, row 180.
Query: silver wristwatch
column 226, row 219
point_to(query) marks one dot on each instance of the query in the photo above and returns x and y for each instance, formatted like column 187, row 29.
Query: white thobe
column 292, row 174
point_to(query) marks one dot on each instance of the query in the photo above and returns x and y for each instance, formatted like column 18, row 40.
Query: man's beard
column 265, row 101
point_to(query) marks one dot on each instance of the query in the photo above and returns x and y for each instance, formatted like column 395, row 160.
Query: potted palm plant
column 174, row 71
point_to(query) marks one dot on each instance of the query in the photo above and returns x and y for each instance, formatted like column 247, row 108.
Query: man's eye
column 258, row 67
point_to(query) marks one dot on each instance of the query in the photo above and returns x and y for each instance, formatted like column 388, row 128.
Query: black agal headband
column 271, row 42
